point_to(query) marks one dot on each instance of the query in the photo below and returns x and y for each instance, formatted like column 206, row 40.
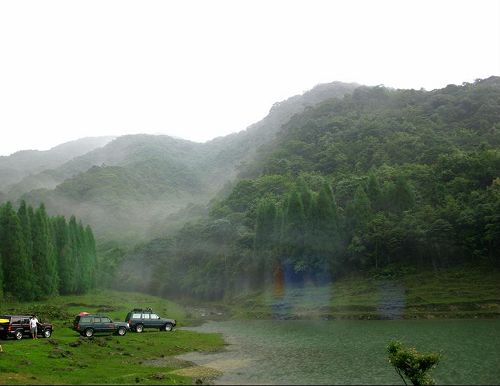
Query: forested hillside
column 139, row 186
column 378, row 177
column 42, row 256
column 122, row 187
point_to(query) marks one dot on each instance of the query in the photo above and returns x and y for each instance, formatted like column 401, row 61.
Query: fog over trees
column 378, row 177
column 344, row 178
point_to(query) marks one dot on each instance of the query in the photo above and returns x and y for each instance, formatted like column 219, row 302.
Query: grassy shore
column 463, row 292
column 66, row 358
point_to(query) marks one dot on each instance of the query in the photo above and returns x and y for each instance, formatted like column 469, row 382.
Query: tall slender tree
column 44, row 258
column 63, row 254
column 91, row 250
column 294, row 231
column 74, row 259
column 17, row 273
column 264, row 225
column 326, row 221
column 85, row 260
column 24, row 218
column 358, row 211
column 264, row 241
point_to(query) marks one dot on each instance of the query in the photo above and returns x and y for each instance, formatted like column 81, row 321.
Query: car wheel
column 18, row 335
column 168, row 327
column 139, row 328
column 122, row 331
column 47, row 333
column 89, row 332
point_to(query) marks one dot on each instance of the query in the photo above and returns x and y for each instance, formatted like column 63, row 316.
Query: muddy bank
column 200, row 374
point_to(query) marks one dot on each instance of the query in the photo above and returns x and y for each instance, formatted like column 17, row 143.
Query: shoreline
column 235, row 313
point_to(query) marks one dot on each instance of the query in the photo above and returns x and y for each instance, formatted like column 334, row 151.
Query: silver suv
column 139, row 319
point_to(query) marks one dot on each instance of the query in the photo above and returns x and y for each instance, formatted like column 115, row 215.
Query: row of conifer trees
column 42, row 256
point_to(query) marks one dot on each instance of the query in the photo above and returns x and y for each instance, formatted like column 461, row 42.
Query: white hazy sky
column 201, row 69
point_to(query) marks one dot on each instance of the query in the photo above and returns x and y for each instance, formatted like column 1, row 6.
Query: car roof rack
column 143, row 309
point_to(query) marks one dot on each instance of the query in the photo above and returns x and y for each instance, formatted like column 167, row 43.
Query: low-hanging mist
column 131, row 189
column 376, row 178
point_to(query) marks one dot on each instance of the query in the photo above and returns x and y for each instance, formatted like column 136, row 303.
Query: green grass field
column 68, row 358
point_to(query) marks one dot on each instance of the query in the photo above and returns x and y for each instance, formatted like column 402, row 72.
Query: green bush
column 411, row 365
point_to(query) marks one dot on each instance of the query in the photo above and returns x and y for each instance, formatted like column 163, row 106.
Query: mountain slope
column 127, row 182
column 24, row 163
column 378, row 178
column 129, row 188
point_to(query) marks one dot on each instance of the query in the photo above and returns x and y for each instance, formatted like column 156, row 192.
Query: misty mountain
column 380, row 177
column 264, row 131
column 27, row 167
column 131, row 188
column 127, row 183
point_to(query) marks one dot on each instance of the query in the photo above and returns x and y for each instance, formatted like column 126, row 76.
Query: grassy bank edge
column 393, row 293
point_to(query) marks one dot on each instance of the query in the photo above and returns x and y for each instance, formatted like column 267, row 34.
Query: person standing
column 33, row 327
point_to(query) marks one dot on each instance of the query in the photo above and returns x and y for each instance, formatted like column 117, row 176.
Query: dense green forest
column 42, row 256
column 378, row 177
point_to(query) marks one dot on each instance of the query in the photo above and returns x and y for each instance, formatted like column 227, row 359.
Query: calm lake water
column 350, row 352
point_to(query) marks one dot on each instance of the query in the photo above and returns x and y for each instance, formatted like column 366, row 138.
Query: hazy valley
column 129, row 186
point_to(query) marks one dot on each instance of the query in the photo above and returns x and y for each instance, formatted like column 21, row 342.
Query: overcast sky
column 202, row 69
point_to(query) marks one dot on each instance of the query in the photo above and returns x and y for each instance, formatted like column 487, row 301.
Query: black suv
column 19, row 325
column 87, row 325
column 139, row 319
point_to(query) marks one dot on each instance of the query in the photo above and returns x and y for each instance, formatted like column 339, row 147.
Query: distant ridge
column 15, row 167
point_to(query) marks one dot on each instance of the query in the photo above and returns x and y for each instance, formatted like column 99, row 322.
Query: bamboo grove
column 42, row 256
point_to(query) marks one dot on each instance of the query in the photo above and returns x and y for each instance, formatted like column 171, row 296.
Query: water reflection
column 296, row 295
column 392, row 301
column 294, row 292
